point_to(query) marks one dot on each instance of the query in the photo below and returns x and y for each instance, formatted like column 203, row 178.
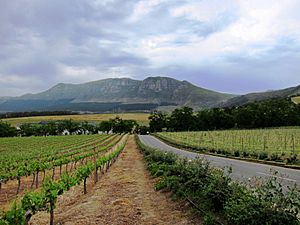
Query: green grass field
column 296, row 99
column 141, row 118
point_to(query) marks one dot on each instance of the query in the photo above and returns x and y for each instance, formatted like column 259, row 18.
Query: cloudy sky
column 234, row 46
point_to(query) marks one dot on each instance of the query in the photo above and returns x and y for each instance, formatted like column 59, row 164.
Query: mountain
column 4, row 99
column 118, row 94
column 254, row 97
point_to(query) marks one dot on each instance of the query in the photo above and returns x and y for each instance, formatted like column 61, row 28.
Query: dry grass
column 296, row 99
column 142, row 118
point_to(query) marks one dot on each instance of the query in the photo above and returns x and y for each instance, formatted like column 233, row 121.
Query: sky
column 233, row 46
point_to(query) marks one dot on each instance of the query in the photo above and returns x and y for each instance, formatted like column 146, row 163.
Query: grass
column 141, row 118
column 296, row 99
column 280, row 141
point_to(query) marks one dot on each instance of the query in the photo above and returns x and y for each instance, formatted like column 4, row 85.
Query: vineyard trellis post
column 33, row 179
column 96, row 168
column 293, row 144
column 37, row 172
column 53, row 172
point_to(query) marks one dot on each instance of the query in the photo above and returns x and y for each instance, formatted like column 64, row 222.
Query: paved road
column 242, row 170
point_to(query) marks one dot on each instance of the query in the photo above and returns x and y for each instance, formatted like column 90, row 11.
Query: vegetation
column 116, row 125
column 33, row 202
column 6, row 130
column 35, row 113
column 214, row 193
column 271, row 113
column 281, row 145
column 38, row 155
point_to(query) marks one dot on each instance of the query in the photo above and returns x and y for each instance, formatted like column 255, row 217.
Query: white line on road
column 276, row 176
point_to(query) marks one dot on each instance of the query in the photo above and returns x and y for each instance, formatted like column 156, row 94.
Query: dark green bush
column 263, row 155
column 254, row 155
column 237, row 153
column 245, row 154
column 274, row 157
column 268, row 204
column 292, row 159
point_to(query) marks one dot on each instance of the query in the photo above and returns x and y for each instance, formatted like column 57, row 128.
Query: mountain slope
column 117, row 94
column 254, row 97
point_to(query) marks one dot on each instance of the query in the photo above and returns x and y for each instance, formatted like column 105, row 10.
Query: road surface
column 241, row 170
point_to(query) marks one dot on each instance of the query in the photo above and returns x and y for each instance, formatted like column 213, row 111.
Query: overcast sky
column 234, row 46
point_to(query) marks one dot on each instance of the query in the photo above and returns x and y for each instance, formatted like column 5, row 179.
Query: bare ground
column 124, row 195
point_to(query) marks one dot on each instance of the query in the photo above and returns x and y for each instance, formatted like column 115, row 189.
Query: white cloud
column 142, row 8
column 203, row 11
column 257, row 29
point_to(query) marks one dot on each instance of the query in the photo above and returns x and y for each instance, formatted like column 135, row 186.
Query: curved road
column 241, row 170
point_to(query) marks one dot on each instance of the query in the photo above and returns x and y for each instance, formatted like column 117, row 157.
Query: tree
column 27, row 130
column 123, row 126
column 143, row 130
column 105, row 126
column 182, row 119
column 157, row 121
column 6, row 130
column 69, row 125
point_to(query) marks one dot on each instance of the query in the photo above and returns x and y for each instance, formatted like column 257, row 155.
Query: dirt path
column 124, row 195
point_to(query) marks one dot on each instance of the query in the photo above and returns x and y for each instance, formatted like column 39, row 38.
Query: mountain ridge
column 126, row 94
column 152, row 91
column 261, row 96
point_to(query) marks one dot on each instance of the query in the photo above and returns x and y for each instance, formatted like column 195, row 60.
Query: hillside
column 254, row 97
column 122, row 94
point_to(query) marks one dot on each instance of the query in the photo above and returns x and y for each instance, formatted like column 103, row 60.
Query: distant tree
column 105, row 126
column 6, row 130
column 143, row 130
column 182, row 119
column 28, row 129
column 123, row 126
column 69, row 125
column 157, row 121
column 52, row 128
column 87, row 127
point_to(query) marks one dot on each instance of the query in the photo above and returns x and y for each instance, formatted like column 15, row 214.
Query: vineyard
column 53, row 163
column 265, row 144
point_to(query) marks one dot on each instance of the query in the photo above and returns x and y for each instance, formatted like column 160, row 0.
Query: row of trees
column 271, row 113
column 116, row 125
column 36, row 113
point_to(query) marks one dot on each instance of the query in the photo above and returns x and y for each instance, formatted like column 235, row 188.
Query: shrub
column 274, row 157
column 237, row 153
column 209, row 219
column 254, row 155
column 263, row 155
column 268, row 204
column 292, row 159
column 245, row 154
